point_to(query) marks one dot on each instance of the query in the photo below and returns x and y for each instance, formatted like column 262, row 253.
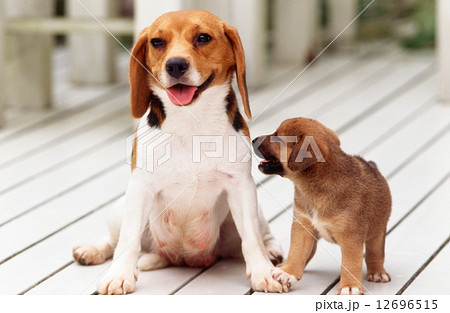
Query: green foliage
column 424, row 17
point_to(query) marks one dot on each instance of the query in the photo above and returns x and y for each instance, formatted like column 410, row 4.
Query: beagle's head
column 297, row 145
column 185, row 52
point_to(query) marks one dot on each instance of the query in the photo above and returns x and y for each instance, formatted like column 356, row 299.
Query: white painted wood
column 60, row 154
column 57, row 130
column 28, row 70
column 92, row 56
column 63, row 210
column 61, row 180
column 409, row 139
column 443, row 48
column 19, row 273
column 324, row 97
column 295, row 35
column 70, row 25
column 427, row 283
column 227, row 277
column 357, row 103
column 340, row 14
column 413, row 102
column 2, row 83
column 250, row 18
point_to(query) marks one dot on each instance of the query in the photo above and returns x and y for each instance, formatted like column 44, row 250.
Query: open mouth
column 181, row 94
column 271, row 167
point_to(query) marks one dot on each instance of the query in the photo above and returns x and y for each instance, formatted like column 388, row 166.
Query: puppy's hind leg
column 375, row 259
column 92, row 254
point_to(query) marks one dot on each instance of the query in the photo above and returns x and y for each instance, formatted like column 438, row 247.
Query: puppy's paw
column 88, row 255
column 347, row 290
column 262, row 280
column 378, row 277
column 117, row 284
column 285, row 279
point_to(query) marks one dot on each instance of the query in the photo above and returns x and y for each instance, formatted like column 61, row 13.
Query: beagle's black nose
column 176, row 67
column 254, row 140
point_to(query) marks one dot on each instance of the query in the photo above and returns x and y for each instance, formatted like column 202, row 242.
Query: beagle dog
column 339, row 197
column 191, row 198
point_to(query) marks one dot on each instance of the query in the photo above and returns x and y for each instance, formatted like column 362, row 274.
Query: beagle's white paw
column 262, row 280
column 88, row 255
column 117, row 284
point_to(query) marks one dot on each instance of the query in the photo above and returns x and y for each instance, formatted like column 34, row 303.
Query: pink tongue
column 181, row 94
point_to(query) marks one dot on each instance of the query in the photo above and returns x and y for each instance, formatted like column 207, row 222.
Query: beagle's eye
column 204, row 38
column 158, row 43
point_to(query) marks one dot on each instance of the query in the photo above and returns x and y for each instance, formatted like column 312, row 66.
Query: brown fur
column 346, row 194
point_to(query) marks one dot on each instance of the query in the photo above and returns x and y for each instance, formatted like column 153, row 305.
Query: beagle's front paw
column 117, row 284
column 285, row 279
column 262, row 280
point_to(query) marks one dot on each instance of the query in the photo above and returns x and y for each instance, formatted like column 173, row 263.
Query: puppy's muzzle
column 176, row 67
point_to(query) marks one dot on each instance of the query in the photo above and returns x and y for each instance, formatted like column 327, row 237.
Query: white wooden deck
column 62, row 169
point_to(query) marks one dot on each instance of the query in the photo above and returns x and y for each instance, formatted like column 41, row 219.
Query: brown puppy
column 339, row 197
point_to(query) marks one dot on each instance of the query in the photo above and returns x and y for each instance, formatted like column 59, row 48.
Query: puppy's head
column 185, row 52
column 297, row 145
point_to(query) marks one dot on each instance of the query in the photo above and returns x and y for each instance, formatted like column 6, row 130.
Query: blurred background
column 53, row 48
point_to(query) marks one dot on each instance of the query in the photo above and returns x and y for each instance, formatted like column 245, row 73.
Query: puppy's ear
column 138, row 75
column 232, row 34
column 307, row 153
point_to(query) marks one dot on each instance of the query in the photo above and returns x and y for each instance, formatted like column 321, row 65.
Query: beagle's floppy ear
column 138, row 75
column 232, row 34
column 307, row 153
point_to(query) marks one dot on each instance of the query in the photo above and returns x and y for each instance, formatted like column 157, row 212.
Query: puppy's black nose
column 254, row 140
column 176, row 67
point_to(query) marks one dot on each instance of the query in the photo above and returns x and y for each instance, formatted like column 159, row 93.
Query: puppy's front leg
column 351, row 269
column 122, row 274
column 301, row 251
column 244, row 209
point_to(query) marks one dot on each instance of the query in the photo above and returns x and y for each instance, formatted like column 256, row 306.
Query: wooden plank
column 436, row 119
column 443, row 46
column 62, row 211
column 394, row 114
column 61, row 180
column 326, row 96
column 58, row 130
column 357, row 104
column 20, row 273
column 434, row 279
column 74, row 147
column 227, row 277
column 66, row 26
